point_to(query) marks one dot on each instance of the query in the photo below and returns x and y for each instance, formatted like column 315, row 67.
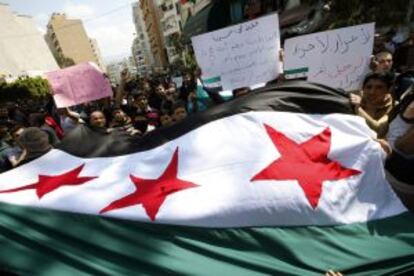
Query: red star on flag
column 151, row 193
column 308, row 163
column 49, row 183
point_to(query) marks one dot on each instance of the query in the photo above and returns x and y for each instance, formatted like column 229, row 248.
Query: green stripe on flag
column 38, row 241
column 296, row 71
column 212, row 80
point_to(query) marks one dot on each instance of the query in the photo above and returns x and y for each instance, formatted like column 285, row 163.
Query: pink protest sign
column 78, row 84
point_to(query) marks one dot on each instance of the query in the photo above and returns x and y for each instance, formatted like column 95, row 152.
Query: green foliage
column 190, row 61
column 177, row 43
column 354, row 12
column 177, row 66
column 24, row 88
column 187, row 61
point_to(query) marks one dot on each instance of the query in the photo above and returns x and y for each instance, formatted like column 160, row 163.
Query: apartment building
column 141, row 47
column 171, row 26
column 151, row 19
column 97, row 53
column 67, row 38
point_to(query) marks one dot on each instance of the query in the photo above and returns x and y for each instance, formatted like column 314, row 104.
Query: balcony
column 167, row 5
column 56, row 44
column 168, row 13
column 170, row 29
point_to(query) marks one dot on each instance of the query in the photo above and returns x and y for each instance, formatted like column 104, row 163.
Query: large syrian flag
column 282, row 181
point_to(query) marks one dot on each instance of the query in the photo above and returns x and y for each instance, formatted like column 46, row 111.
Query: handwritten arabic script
column 241, row 55
column 338, row 58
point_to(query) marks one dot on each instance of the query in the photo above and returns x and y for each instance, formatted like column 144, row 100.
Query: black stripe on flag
column 295, row 96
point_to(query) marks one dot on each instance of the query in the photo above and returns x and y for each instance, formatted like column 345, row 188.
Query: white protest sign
column 339, row 58
column 241, row 55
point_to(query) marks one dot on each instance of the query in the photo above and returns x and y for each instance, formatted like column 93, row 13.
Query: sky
column 108, row 21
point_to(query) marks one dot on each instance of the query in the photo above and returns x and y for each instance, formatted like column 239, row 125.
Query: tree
column 354, row 12
column 24, row 88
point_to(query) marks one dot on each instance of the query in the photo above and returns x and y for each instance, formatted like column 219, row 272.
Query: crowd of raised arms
column 28, row 128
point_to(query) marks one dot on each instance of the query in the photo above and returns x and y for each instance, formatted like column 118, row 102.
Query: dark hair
column 383, row 52
column 385, row 77
column 178, row 104
column 140, row 95
column 406, row 99
column 165, row 113
column 158, row 83
column 115, row 110
column 403, row 83
column 131, row 85
column 37, row 119
column 95, row 110
column 15, row 128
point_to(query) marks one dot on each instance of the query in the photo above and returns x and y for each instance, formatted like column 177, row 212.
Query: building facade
column 67, row 39
column 141, row 48
column 115, row 69
column 171, row 26
column 151, row 18
column 141, row 58
column 97, row 53
column 23, row 50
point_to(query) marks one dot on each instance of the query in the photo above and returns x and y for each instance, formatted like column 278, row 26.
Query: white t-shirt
column 398, row 128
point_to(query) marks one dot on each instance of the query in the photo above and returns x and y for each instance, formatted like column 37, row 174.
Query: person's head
column 376, row 87
column 179, row 112
column 384, row 60
column 36, row 119
column 146, row 86
column 3, row 131
column 252, row 9
column 4, row 112
column 187, row 78
column 119, row 115
column 34, row 140
column 160, row 89
column 166, row 119
column 171, row 92
column 141, row 101
column 97, row 119
column 16, row 132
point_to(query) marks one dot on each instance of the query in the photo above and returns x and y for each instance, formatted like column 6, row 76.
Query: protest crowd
column 139, row 105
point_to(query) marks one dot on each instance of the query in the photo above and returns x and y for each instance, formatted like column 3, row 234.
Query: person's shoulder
column 4, row 146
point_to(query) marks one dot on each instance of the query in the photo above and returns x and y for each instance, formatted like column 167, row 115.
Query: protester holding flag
column 122, row 122
column 401, row 138
column 376, row 102
column 280, row 195
column 5, row 149
column 283, row 179
column 97, row 120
